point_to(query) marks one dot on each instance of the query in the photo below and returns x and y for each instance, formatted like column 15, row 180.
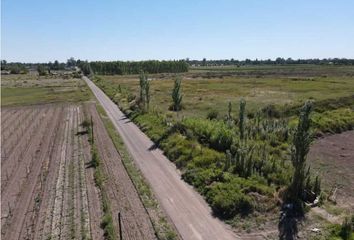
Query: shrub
column 215, row 134
column 200, row 178
column 212, row 114
column 179, row 149
column 270, row 111
column 334, row 121
column 226, row 201
column 42, row 71
column 346, row 231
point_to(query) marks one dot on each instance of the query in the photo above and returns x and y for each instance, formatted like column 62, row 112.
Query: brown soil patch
column 333, row 158
column 47, row 193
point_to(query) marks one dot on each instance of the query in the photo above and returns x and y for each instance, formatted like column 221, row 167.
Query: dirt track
column 185, row 207
column 119, row 188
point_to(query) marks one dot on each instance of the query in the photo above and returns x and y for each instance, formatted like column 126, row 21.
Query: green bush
column 179, row 149
column 334, row 121
column 215, row 134
column 153, row 124
column 200, row 178
column 212, row 114
column 226, row 200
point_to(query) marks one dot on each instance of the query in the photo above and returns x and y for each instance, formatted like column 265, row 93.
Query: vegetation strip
column 107, row 219
column 161, row 225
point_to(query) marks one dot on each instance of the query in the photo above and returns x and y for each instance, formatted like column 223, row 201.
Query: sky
column 42, row 31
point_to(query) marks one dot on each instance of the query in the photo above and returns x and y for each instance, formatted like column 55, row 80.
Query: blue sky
column 38, row 31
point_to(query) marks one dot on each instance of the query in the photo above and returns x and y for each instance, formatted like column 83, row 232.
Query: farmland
column 204, row 139
column 66, row 177
column 44, row 189
column 56, row 181
column 27, row 89
column 177, row 120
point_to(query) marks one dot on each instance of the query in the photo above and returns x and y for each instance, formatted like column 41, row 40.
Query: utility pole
column 120, row 226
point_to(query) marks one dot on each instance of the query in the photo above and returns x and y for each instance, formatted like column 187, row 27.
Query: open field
column 28, row 89
column 289, row 70
column 203, row 92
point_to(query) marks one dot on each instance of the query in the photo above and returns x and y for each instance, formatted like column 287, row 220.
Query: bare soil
column 47, row 193
column 333, row 158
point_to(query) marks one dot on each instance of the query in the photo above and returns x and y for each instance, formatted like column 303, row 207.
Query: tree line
column 277, row 61
column 120, row 67
column 19, row 67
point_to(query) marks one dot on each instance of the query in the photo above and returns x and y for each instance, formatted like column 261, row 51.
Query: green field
column 27, row 89
column 202, row 94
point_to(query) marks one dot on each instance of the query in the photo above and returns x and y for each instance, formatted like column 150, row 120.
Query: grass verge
column 107, row 219
column 162, row 227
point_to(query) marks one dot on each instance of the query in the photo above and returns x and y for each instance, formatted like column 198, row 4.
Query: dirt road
column 185, row 207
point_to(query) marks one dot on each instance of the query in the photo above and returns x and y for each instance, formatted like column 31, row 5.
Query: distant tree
column 119, row 67
column 3, row 64
column 85, row 68
column 56, row 65
column 15, row 69
column 280, row 60
column 301, row 145
column 204, row 62
column 42, row 71
column 71, row 62
column 177, row 95
column 241, row 118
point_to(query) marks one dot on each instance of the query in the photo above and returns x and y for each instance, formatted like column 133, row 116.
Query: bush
column 226, row 200
column 200, row 178
column 270, row 111
column 334, row 121
column 346, row 231
column 212, row 114
column 215, row 134
column 179, row 149
column 95, row 160
column 42, row 71
column 15, row 70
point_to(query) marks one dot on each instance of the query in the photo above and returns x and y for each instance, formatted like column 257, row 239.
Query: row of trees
column 120, row 67
column 18, row 67
column 277, row 61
